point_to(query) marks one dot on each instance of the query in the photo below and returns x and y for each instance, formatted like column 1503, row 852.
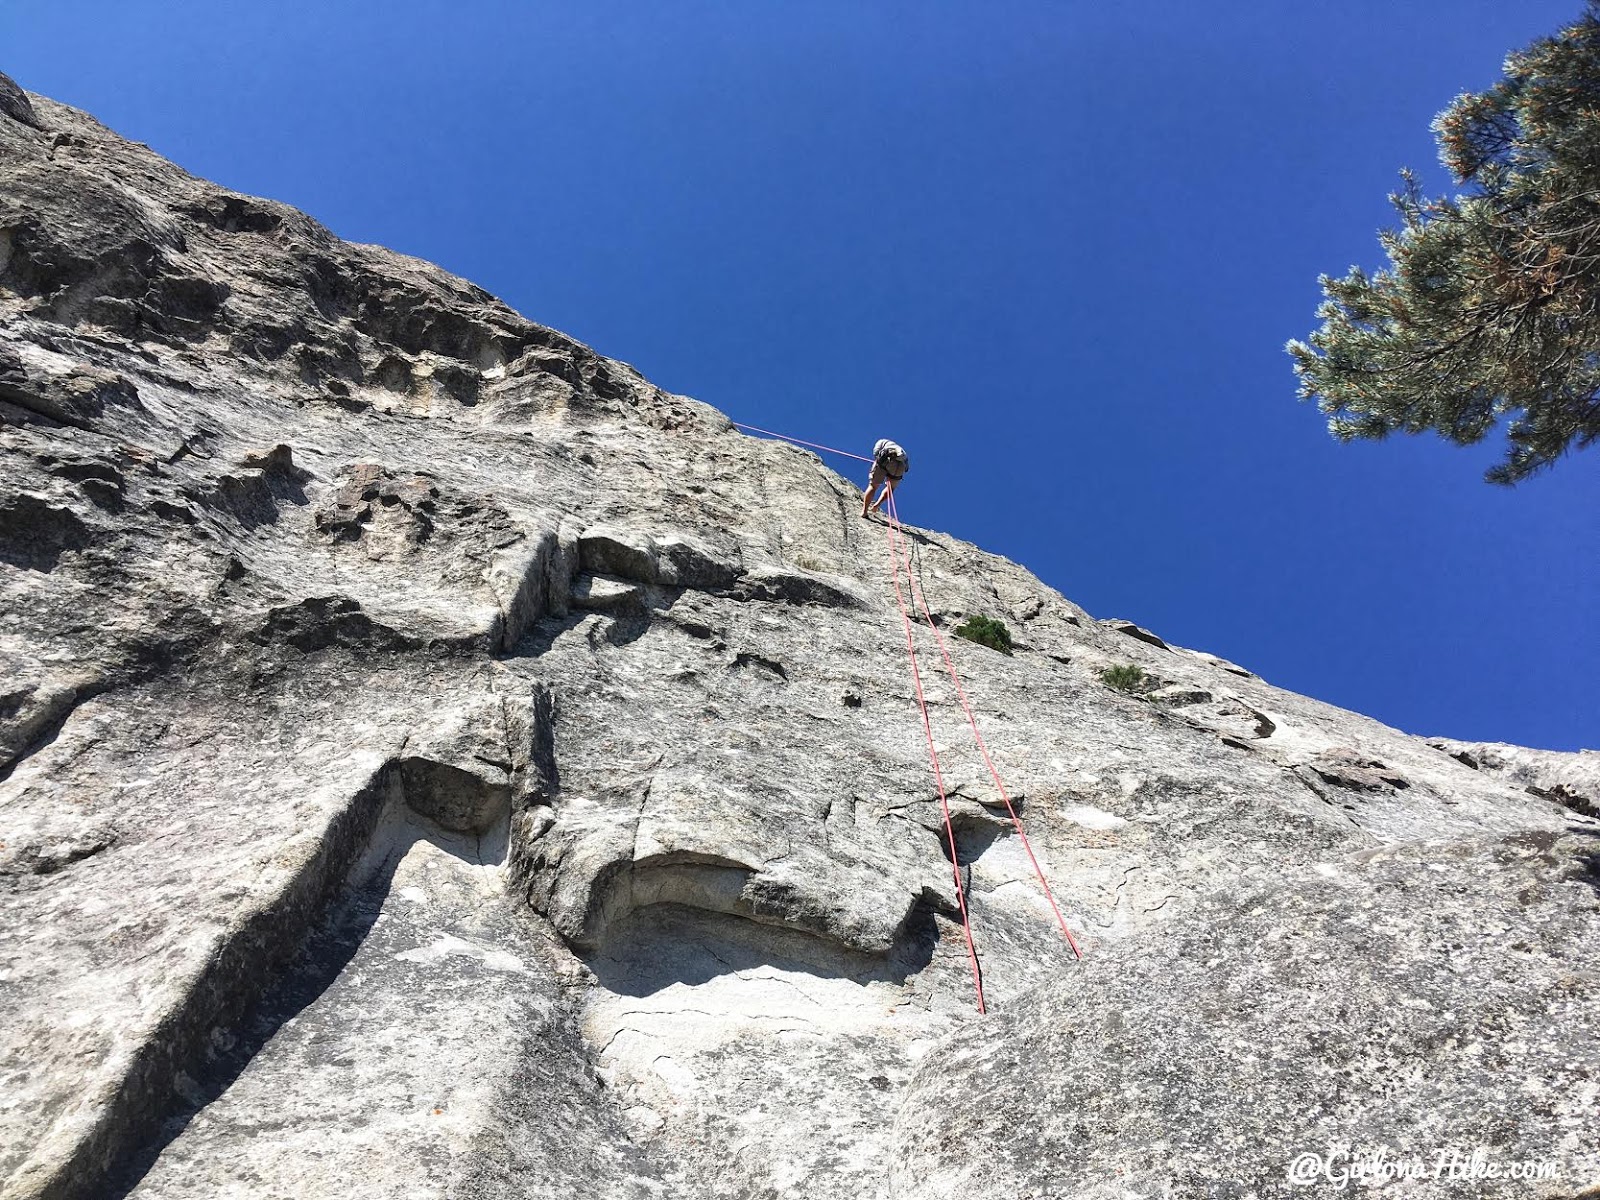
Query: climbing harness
column 900, row 551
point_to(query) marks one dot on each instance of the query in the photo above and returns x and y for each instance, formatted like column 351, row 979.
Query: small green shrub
column 1125, row 677
column 986, row 631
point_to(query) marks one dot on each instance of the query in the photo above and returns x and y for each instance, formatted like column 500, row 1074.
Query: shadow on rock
column 325, row 955
column 653, row 948
column 34, row 534
column 1589, row 871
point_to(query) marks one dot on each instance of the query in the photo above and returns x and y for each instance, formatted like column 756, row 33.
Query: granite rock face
column 434, row 761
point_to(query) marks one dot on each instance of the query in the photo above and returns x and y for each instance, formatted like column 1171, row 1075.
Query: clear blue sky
column 1053, row 248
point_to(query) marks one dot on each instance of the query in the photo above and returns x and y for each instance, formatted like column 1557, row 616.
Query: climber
column 889, row 467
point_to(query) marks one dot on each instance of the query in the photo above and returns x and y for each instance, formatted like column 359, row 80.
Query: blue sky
column 1053, row 248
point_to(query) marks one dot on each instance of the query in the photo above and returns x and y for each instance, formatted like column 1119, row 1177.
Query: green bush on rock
column 1125, row 677
column 986, row 631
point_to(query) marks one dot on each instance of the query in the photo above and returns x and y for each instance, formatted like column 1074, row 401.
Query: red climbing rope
column 798, row 442
column 897, row 540
column 938, row 775
column 915, row 588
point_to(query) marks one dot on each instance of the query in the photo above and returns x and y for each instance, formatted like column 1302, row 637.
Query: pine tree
column 1490, row 305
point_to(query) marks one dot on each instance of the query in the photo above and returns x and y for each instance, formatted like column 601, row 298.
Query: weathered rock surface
column 1569, row 779
column 436, row 762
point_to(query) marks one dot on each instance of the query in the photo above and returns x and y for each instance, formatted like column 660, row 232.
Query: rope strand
column 898, row 542
column 938, row 775
column 799, row 442
column 920, row 598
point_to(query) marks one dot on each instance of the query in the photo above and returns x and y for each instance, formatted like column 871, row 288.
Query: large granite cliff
column 435, row 762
